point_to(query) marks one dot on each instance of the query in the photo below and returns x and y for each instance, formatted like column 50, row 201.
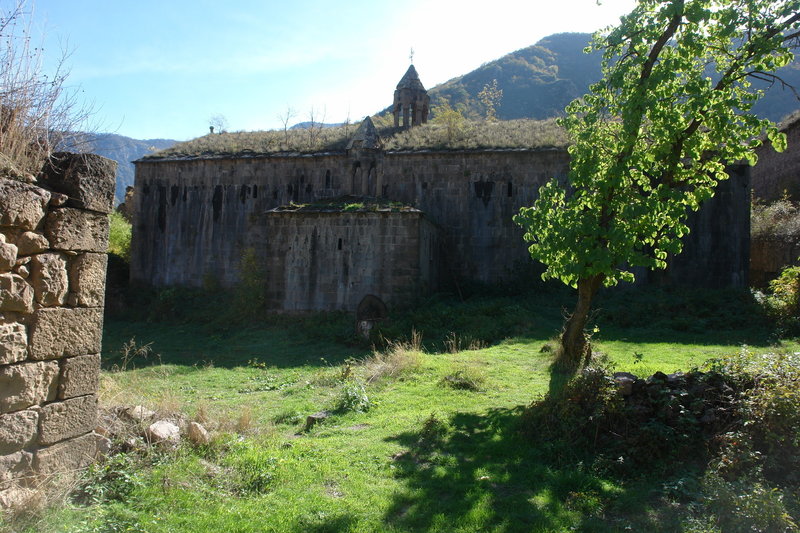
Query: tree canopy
column 651, row 140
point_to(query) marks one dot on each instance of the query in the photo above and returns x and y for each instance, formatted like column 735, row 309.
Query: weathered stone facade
column 196, row 216
column 53, row 238
column 332, row 260
column 768, row 257
column 716, row 252
column 774, row 176
column 777, row 174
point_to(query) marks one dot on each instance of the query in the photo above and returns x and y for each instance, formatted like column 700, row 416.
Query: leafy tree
column 651, row 140
column 452, row 119
column 490, row 96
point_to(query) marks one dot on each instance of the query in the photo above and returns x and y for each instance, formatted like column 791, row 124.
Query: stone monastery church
column 328, row 230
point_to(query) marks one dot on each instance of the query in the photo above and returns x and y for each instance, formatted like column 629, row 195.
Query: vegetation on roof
column 347, row 204
column 481, row 135
column 436, row 135
column 789, row 120
column 313, row 139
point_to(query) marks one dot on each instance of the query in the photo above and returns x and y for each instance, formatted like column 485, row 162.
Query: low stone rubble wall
column 53, row 240
column 768, row 257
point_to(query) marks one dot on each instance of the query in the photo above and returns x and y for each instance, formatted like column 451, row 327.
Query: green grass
column 425, row 456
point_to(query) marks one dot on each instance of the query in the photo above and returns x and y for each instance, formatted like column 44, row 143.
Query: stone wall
column 716, row 252
column 193, row 216
column 331, row 260
column 777, row 174
column 768, row 257
column 53, row 239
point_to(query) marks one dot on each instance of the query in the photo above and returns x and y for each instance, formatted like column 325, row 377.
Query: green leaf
column 777, row 139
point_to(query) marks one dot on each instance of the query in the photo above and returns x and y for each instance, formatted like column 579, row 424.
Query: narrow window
column 339, row 246
column 327, row 179
column 510, row 189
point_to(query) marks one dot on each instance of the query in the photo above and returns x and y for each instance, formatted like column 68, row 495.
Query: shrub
column 119, row 236
column 768, row 409
column 745, row 506
column 112, row 479
column 784, row 301
column 250, row 292
column 353, row 397
column 575, row 412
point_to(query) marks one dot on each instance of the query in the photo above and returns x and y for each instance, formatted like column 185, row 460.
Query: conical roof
column 366, row 136
column 411, row 80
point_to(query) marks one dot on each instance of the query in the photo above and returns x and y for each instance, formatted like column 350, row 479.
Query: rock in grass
column 625, row 381
column 139, row 413
column 163, row 432
column 316, row 418
column 197, row 434
column 103, row 444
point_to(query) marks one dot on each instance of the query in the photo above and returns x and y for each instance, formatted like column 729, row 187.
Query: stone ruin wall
column 779, row 173
column 716, row 252
column 330, row 260
column 776, row 175
column 193, row 216
column 473, row 197
column 53, row 240
column 768, row 257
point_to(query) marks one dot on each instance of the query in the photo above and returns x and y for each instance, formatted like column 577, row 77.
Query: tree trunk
column 574, row 344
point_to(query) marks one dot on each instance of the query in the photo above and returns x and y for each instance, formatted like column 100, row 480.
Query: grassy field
column 422, row 436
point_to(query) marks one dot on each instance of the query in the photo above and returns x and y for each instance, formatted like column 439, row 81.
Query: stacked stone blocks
column 53, row 239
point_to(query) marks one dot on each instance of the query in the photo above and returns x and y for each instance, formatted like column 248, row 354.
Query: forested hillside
column 540, row 80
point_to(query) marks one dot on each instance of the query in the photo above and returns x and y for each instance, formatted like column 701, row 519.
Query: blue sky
column 161, row 69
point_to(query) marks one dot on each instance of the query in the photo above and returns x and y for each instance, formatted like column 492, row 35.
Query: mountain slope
column 540, row 80
column 537, row 81
column 124, row 150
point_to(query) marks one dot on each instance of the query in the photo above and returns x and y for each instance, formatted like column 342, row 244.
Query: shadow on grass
column 193, row 328
column 192, row 344
column 477, row 472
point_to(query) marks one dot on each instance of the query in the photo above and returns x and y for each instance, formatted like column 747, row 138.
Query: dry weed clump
column 398, row 358
column 30, row 504
column 244, row 423
column 779, row 220
column 262, row 142
column 455, row 344
column 39, row 114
